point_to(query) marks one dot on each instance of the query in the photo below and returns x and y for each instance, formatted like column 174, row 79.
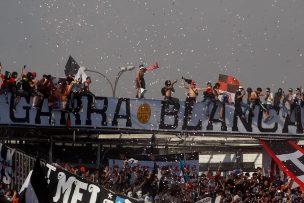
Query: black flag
column 71, row 68
column 35, row 187
column 187, row 80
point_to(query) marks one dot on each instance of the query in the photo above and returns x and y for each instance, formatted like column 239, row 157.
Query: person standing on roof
column 208, row 97
column 268, row 104
column 192, row 92
column 140, row 81
column 238, row 101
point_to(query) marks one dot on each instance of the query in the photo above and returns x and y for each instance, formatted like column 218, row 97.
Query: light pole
column 113, row 85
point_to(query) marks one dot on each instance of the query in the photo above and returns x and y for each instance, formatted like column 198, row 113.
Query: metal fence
column 22, row 165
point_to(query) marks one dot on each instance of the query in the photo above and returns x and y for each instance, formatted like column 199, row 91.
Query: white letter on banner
column 51, row 168
column 8, row 171
column 94, row 190
column 107, row 201
column 64, row 187
column 9, row 156
column 77, row 195
column 294, row 157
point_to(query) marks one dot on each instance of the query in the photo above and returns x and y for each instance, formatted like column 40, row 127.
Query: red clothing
column 4, row 82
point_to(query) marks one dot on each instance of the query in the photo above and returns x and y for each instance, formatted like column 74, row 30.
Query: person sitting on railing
column 74, row 91
column 4, row 85
column 86, row 90
column 24, row 89
column 61, row 94
column 44, row 90
column 12, row 86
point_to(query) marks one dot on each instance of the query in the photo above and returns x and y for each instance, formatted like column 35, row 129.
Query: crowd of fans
column 60, row 92
column 166, row 186
column 8, row 195
column 279, row 101
column 244, row 100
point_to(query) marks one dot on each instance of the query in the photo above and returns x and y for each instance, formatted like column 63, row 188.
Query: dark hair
column 29, row 76
column 217, row 85
column 259, row 89
column 14, row 75
column 249, row 90
column 167, row 82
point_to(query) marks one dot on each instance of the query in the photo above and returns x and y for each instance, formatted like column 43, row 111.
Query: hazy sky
column 258, row 41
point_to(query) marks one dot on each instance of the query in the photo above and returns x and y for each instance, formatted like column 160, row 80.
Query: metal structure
column 118, row 75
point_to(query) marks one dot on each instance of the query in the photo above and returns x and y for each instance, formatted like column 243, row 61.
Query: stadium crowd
column 61, row 93
column 8, row 195
column 163, row 185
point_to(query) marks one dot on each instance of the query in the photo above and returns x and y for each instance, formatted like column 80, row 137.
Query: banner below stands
column 147, row 116
column 173, row 162
column 67, row 188
column 289, row 156
column 64, row 187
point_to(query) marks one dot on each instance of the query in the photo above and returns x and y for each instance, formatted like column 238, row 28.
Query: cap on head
column 193, row 83
column 241, row 87
column 267, row 89
column 141, row 67
column 290, row 90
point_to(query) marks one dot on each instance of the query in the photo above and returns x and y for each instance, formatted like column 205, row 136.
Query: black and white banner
column 144, row 115
column 6, row 164
column 64, row 187
column 289, row 156
column 69, row 188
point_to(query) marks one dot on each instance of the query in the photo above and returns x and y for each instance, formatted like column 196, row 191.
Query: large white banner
column 144, row 115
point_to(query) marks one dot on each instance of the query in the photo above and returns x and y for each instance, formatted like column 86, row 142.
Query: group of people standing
column 279, row 101
column 266, row 100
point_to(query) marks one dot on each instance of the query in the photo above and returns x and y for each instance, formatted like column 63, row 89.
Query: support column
column 98, row 156
column 51, row 150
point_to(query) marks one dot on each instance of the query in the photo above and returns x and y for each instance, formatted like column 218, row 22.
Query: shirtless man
column 140, row 81
column 192, row 94
column 167, row 91
column 255, row 100
column 216, row 93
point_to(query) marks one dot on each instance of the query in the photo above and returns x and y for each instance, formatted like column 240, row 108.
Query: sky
column 259, row 42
